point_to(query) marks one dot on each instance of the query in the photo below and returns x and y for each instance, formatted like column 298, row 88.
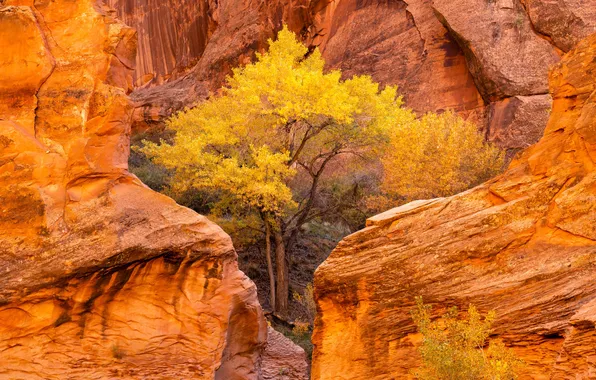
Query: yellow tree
column 278, row 117
column 438, row 156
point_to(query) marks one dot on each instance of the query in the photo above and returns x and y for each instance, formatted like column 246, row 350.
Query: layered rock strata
column 101, row 277
column 185, row 66
column 523, row 244
column 282, row 359
column 475, row 56
column 409, row 48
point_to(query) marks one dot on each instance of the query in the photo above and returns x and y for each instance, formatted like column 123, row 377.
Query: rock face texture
column 517, row 121
column 194, row 45
column 172, row 35
column 101, row 277
column 410, row 48
column 563, row 22
column 175, row 35
column 282, row 359
column 523, row 244
column 467, row 55
column 505, row 57
column 509, row 62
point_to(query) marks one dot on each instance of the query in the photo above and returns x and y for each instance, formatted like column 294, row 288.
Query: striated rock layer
column 282, row 359
column 477, row 57
column 409, row 48
column 188, row 50
column 101, row 277
column 488, row 60
column 523, row 244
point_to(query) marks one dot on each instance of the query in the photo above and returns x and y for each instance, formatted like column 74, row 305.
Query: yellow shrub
column 440, row 155
column 453, row 348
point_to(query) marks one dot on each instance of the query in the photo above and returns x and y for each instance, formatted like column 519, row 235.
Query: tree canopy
column 281, row 113
column 280, row 146
column 437, row 156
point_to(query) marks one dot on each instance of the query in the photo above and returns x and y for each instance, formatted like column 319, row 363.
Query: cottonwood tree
column 438, row 156
column 278, row 149
column 278, row 119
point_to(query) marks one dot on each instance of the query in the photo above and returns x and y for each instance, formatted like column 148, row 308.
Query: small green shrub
column 454, row 349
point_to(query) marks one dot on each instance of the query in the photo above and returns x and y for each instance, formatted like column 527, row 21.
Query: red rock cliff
column 523, row 244
column 486, row 59
column 101, row 277
column 408, row 46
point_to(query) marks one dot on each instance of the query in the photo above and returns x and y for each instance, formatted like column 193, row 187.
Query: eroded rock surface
column 101, row 277
column 523, row 244
column 516, row 123
column 564, row 22
column 467, row 55
column 172, row 35
column 505, row 56
column 509, row 46
column 230, row 32
column 283, row 359
column 409, row 47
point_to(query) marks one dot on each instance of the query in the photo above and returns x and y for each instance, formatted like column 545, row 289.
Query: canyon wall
column 488, row 60
column 101, row 277
column 523, row 244
column 409, row 47
column 179, row 68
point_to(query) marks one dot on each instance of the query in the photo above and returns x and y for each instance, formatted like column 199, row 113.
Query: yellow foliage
column 453, row 348
column 437, row 156
column 283, row 115
column 276, row 115
column 301, row 328
column 307, row 300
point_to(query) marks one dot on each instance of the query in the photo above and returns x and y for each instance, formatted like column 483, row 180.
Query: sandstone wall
column 523, row 244
column 486, row 59
column 400, row 43
column 282, row 359
column 101, row 277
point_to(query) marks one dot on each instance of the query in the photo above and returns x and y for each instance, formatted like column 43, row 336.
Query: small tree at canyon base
column 265, row 144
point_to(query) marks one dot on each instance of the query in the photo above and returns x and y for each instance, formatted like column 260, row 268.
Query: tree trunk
column 283, row 281
column 269, row 265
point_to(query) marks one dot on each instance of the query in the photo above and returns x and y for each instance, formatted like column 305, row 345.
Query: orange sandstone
column 523, row 244
column 101, row 277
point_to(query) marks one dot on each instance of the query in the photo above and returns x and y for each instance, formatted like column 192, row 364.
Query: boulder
column 101, row 277
column 505, row 56
column 283, row 359
column 563, row 22
column 509, row 47
column 523, row 244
